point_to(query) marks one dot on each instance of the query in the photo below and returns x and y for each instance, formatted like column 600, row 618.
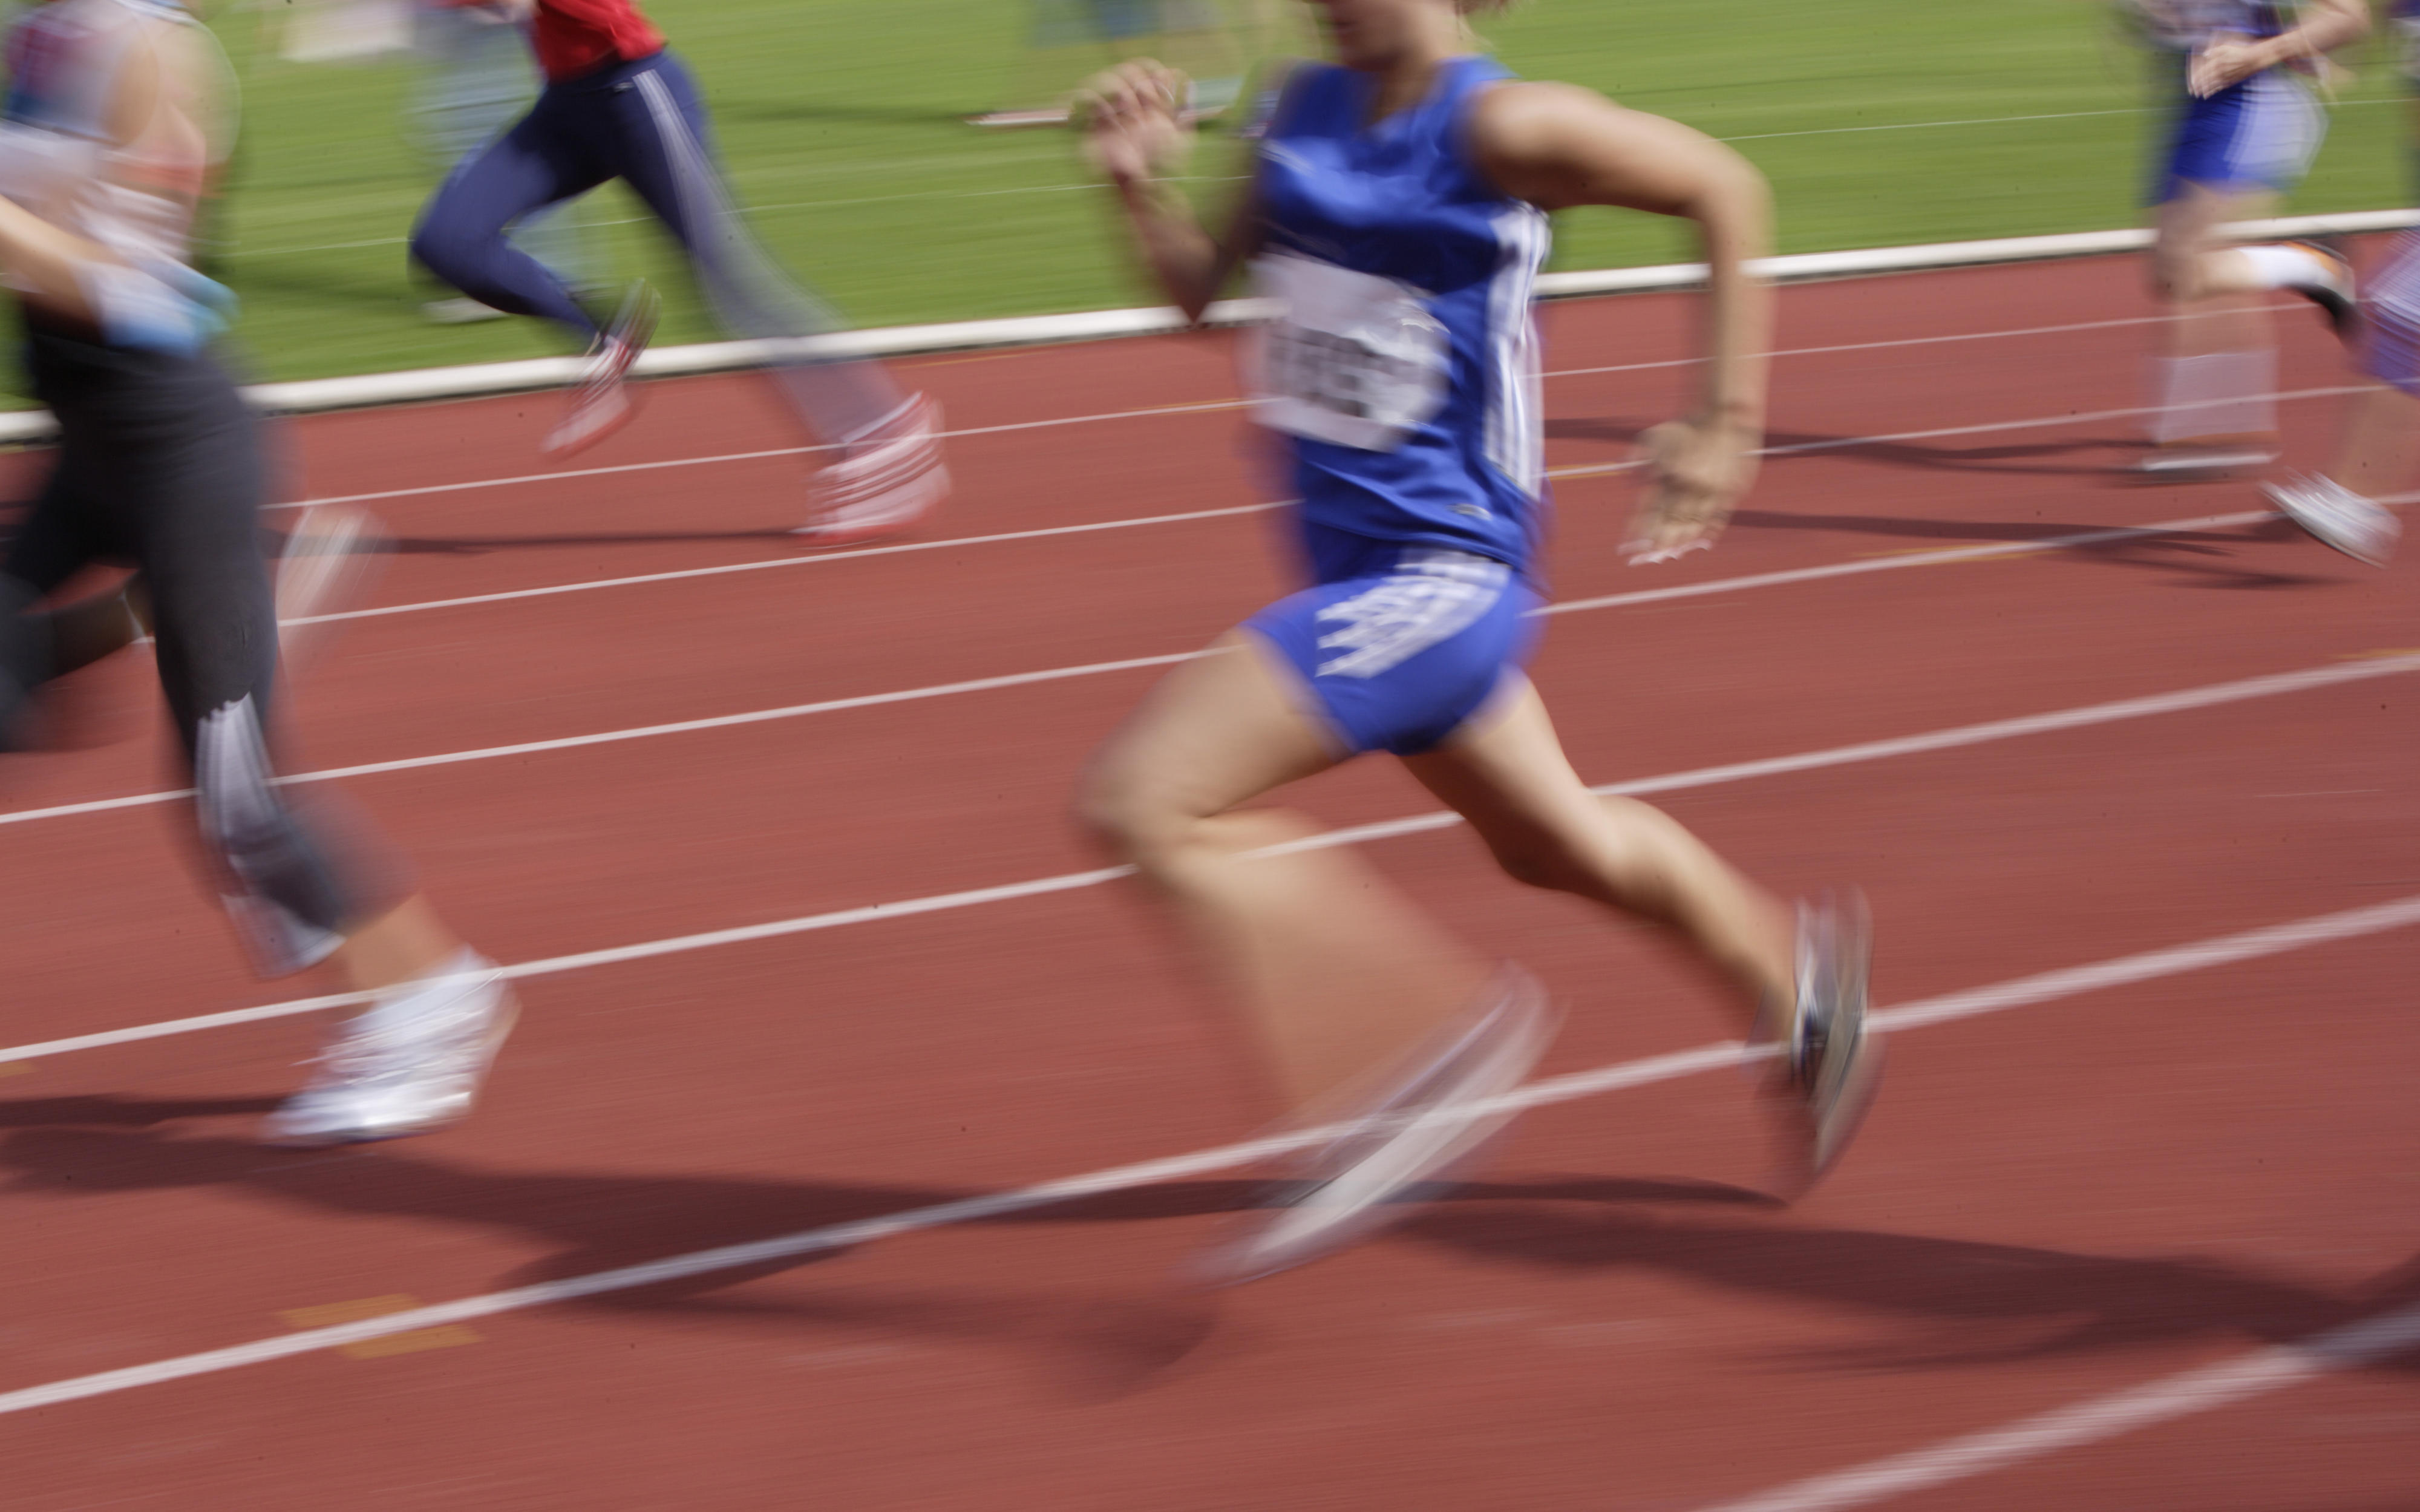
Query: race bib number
column 1352, row 359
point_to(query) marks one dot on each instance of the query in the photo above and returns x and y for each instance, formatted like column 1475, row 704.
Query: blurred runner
column 1399, row 213
column 477, row 77
column 2244, row 131
column 116, row 115
column 618, row 104
column 1209, row 41
column 2378, row 451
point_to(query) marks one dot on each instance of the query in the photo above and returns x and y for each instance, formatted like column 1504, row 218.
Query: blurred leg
column 664, row 149
column 1335, row 973
column 1506, row 773
column 462, row 239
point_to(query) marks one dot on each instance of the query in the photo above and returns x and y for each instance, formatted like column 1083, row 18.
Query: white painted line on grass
column 1883, row 564
column 2346, row 1347
column 2182, row 1395
column 1944, row 740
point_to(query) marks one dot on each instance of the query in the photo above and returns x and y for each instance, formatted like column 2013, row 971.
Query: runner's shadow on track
column 2205, row 558
column 1107, row 1340
column 1965, row 1303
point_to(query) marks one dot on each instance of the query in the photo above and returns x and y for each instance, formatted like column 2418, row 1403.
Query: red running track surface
column 2054, row 1204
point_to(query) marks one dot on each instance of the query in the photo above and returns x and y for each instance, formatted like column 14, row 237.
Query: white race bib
column 1353, row 359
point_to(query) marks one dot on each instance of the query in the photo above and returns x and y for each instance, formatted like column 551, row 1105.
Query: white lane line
column 1591, row 469
column 1878, row 346
column 2080, row 418
column 1204, row 407
column 1883, row 563
column 728, row 567
column 568, row 742
column 1992, row 999
column 1943, row 740
column 2182, row 1395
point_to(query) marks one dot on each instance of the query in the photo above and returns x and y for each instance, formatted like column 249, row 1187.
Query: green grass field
column 1879, row 121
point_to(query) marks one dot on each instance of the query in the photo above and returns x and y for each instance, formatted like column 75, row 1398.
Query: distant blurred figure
column 2378, row 452
column 1398, row 216
column 618, row 104
column 478, row 76
column 1210, row 41
column 116, row 115
column 2245, row 129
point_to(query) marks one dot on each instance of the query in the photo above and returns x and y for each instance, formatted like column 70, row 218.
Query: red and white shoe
column 889, row 478
column 601, row 401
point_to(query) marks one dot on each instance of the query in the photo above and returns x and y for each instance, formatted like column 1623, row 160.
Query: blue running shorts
column 2391, row 341
column 1400, row 647
column 2261, row 134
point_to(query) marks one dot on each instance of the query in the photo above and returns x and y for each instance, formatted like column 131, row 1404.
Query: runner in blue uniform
column 2378, row 449
column 2244, row 130
column 1398, row 211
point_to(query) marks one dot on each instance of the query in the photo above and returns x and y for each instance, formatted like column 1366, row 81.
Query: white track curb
column 426, row 383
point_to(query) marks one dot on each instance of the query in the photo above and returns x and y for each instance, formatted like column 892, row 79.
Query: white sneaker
column 410, row 1063
column 1432, row 1122
column 2335, row 516
column 1831, row 1061
column 601, row 401
column 324, row 569
column 887, row 479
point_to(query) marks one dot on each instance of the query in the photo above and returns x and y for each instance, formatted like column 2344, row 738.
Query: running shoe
column 2334, row 293
column 2337, row 517
column 1435, row 1122
column 324, row 569
column 1831, row 1061
column 887, row 479
column 601, row 401
column 412, row 1062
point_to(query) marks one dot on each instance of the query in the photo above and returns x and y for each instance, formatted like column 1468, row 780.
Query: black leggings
column 160, row 468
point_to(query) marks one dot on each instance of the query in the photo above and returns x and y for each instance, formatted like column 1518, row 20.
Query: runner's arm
column 1558, row 146
column 162, row 155
column 1134, row 137
column 2326, row 26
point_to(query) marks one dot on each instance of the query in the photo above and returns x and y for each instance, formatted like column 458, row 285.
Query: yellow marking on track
column 16, row 1068
column 2382, row 654
column 327, row 1315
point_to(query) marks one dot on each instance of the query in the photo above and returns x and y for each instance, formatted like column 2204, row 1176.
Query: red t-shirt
column 576, row 37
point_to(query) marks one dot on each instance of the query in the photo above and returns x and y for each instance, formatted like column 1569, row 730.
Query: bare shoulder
column 1521, row 113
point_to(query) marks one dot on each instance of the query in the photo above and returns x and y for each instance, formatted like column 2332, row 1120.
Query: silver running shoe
column 1436, row 1120
column 600, row 401
column 889, row 478
column 2337, row 517
column 1832, row 1062
column 412, row 1062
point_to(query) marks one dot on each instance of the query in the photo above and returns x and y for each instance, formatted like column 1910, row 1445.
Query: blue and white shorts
column 2262, row 133
column 2391, row 310
column 1400, row 648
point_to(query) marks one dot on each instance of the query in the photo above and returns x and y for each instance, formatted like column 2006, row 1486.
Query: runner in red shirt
column 619, row 105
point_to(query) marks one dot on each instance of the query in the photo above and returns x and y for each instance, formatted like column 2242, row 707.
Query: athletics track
column 2080, row 1256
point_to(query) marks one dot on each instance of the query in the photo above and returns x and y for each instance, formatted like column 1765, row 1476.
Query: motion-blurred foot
column 889, row 478
column 2337, row 517
column 1831, row 1062
column 1433, row 1123
column 600, row 402
column 410, row 1063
